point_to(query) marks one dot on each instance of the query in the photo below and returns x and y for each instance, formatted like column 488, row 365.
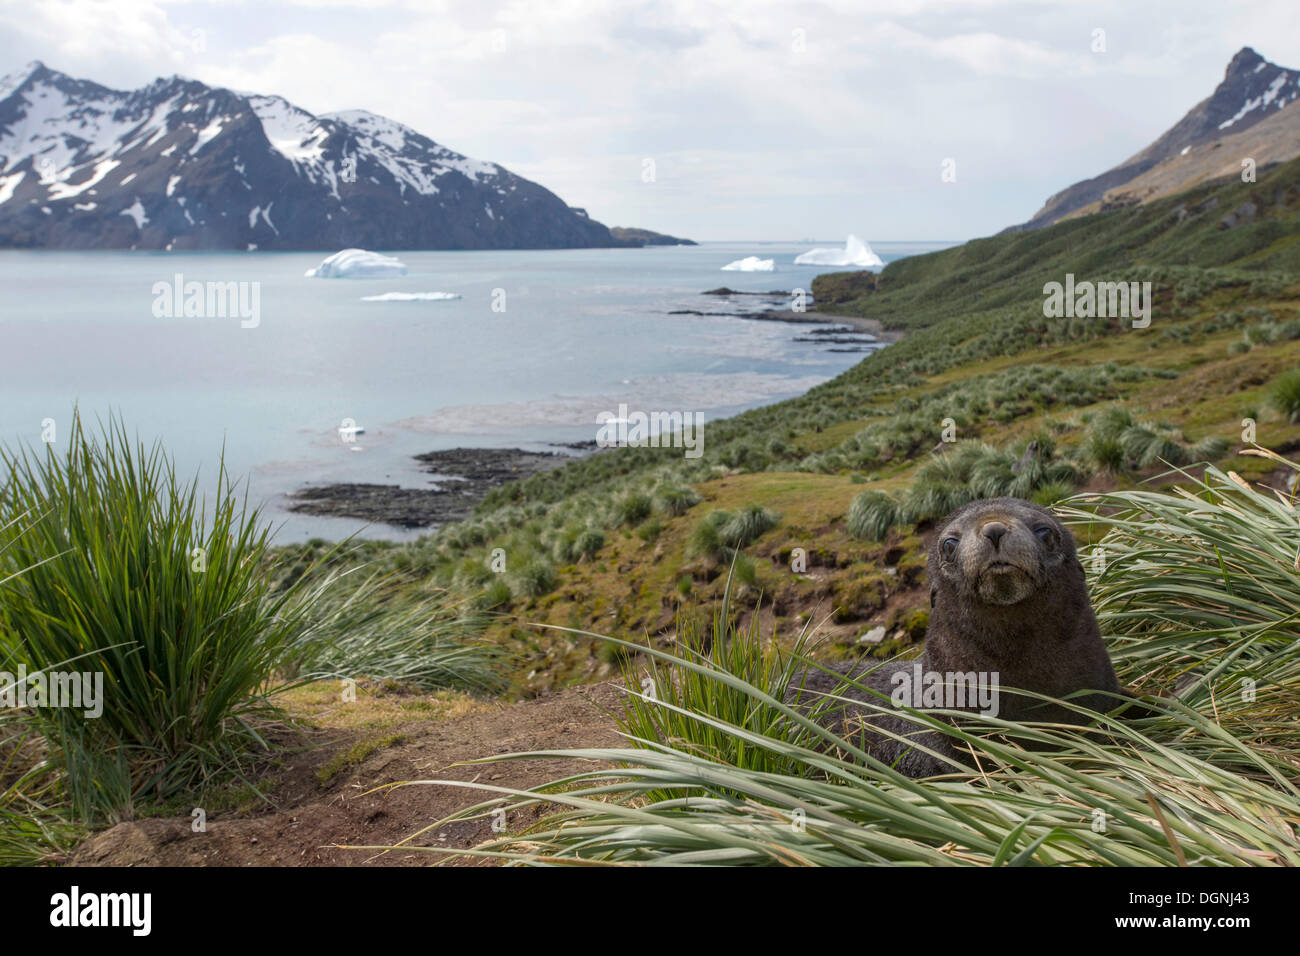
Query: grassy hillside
column 854, row 471
column 809, row 517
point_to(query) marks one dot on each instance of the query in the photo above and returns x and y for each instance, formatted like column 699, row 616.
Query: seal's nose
column 994, row 531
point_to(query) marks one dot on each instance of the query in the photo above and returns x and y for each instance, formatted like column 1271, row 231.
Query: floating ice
column 357, row 264
column 750, row 264
column 411, row 297
column 855, row 253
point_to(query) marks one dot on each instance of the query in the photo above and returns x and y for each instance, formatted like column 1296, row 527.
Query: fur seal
column 1007, row 596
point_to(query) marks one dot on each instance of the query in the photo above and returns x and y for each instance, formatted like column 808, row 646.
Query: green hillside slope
column 854, row 471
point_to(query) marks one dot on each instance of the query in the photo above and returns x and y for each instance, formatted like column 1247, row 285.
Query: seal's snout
column 1000, row 551
column 994, row 531
column 1001, row 559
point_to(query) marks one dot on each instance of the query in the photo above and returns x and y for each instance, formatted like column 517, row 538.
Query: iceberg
column 411, row 297
column 855, row 253
column 357, row 264
column 750, row 264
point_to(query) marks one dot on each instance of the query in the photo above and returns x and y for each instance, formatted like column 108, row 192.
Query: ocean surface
column 536, row 347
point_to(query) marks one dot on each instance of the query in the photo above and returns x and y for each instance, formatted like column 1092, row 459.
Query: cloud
column 92, row 37
column 766, row 118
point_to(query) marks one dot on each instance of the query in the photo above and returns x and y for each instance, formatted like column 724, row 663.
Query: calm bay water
column 582, row 331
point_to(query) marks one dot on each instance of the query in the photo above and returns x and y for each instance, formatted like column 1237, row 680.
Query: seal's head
column 999, row 551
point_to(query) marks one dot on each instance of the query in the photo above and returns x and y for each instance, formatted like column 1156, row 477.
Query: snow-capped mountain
column 1254, row 91
column 181, row 165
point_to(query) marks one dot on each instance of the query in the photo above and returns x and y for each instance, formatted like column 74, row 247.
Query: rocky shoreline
column 464, row 477
column 851, row 323
column 777, row 310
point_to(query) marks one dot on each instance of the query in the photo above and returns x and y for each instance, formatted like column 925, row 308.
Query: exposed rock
column 1028, row 458
column 644, row 237
column 1253, row 92
column 181, row 165
column 1241, row 215
column 874, row 636
column 725, row 291
column 466, row 476
column 837, row 287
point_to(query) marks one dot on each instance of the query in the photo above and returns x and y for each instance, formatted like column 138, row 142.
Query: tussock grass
column 535, row 578
column 1284, row 395
column 721, row 534
column 747, row 525
column 115, row 566
column 34, row 820
column 665, row 697
column 964, row 473
column 872, row 514
column 379, row 629
column 131, row 576
column 1199, row 593
column 1119, row 442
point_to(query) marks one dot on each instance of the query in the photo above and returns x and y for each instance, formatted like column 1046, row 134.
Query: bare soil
column 312, row 821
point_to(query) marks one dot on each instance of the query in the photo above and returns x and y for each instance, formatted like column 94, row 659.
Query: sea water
column 536, row 347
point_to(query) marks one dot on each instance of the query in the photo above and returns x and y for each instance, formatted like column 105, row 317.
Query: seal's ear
column 934, row 591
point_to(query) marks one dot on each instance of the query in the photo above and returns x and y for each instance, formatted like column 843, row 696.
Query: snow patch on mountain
column 294, row 133
column 1270, row 95
column 401, row 139
column 63, row 133
column 381, row 129
column 12, row 81
column 187, row 162
column 64, row 190
column 8, row 184
column 136, row 212
column 208, row 134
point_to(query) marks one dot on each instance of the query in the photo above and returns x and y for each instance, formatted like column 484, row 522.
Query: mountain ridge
column 1252, row 91
column 177, row 164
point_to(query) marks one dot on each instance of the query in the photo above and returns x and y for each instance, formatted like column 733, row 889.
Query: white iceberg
column 855, row 253
column 750, row 264
column 358, row 264
column 411, row 297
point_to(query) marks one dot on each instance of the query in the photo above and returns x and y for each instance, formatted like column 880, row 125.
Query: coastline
column 859, row 323
column 807, row 316
column 464, row 476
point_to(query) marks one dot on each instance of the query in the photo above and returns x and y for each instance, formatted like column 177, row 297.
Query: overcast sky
column 763, row 120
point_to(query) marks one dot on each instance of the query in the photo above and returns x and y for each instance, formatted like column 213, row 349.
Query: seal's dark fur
column 1007, row 595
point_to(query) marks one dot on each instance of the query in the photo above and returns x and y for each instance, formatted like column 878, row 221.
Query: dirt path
column 313, row 818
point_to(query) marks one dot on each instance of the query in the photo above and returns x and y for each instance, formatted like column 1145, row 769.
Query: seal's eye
column 948, row 548
column 1046, row 534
